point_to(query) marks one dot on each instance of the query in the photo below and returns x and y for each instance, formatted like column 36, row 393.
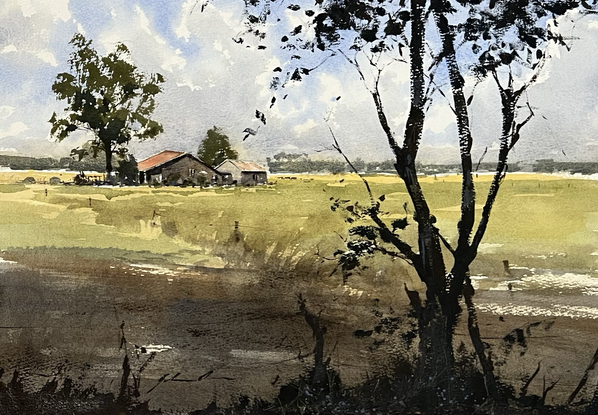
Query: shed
column 176, row 167
column 245, row 173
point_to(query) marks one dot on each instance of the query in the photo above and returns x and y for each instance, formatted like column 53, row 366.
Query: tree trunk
column 465, row 251
column 108, row 152
column 478, row 344
column 436, row 361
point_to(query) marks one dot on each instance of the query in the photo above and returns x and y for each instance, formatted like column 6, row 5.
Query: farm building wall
column 249, row 178
column 229, row 167
column 243, row 177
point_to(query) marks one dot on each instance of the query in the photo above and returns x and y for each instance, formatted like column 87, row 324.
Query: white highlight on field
column 568, row 281
column 556, row 310
column 156, row 348
column 262, row 356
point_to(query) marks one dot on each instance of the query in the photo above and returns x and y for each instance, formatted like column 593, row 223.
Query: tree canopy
column 107, row 96
column 215, row 148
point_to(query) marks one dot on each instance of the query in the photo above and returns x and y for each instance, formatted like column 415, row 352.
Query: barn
column 175, row 167
column 244, row 173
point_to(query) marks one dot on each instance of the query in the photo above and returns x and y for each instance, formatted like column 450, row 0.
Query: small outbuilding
column 175, row 168
column 244, row 173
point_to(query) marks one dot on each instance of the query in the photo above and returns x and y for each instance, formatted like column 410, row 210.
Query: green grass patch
column 293, row 219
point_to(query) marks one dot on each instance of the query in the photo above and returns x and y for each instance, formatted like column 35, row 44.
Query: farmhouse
column 175, row 167
column 245, row 173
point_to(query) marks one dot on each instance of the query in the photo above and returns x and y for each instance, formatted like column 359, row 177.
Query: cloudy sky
column 213, row 81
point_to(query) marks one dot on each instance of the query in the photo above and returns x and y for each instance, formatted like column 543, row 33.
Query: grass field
column 538, row 220
column 128, row 254
column 16, row 176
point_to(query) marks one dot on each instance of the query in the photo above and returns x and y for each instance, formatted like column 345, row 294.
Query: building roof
column 245, row 165
column 158, row 159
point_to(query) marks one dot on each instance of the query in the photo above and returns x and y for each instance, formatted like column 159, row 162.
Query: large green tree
column 108, row 97
column 215, row 148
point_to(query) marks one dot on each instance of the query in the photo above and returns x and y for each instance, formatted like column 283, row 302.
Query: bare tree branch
column 385, row 233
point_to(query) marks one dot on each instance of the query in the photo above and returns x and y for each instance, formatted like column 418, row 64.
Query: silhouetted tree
column 108, row 97
column 215, row 148
column 503, row 40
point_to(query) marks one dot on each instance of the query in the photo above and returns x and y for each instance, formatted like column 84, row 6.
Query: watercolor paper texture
column 218, row 206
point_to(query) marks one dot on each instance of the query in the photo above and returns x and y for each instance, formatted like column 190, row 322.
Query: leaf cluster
column 503, row 32
column 364, row 240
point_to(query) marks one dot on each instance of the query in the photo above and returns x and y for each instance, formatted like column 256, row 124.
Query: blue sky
column 211, row 80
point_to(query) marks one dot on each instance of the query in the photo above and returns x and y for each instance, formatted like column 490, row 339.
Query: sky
column 213, row 81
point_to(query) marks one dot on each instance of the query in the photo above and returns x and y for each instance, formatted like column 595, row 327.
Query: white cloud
column 8, row 49
column 15, row 129
column 144, row 22
column 148, row 49
column 61, row 9
column 181, row 30
column 173, row 62
column 47, row 56
column 305, row 127
column 440, row 117
column 58, row 9
column 6, row 111
column 27, row 8
column 189, row 84
column 330, row 88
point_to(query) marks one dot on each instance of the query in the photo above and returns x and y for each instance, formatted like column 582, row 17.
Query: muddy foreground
column 228, row 333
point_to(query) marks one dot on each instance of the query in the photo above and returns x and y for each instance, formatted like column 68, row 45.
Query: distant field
column 538, row 221
column 16, row 176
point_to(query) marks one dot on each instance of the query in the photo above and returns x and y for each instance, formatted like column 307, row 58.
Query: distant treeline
column 550, row 166
column 303, row 163
column 452, row 168
column 49, row 163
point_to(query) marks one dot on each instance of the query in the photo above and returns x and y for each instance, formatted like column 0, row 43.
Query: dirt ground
column 239, row 334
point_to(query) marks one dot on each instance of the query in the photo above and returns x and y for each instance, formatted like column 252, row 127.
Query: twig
column 529, row 381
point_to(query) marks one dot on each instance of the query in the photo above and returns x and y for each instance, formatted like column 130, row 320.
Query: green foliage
column 215, row 148
column 366, row 240
column 127, row 170
column 106, row 96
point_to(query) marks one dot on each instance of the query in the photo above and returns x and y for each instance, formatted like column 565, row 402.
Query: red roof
column 158, row 159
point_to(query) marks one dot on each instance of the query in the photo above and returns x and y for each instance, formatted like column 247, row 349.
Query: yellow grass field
column 535, row 216
column 11, row 177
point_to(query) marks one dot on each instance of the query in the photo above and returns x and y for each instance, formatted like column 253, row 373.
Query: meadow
column 211, row 276
column 538, row 220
